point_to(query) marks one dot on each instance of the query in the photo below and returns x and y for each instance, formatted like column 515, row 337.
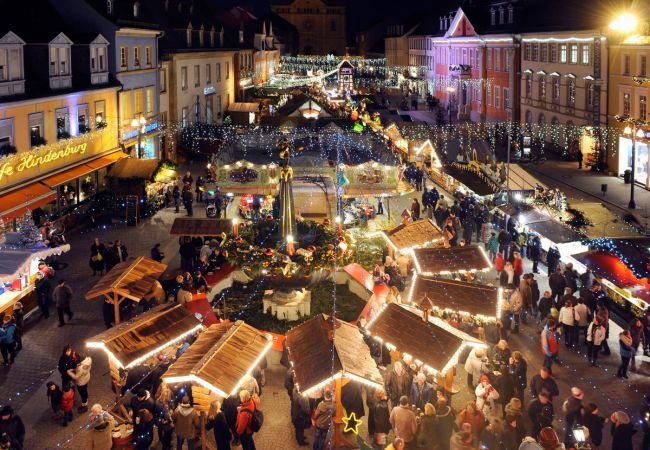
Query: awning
column 16, row 203
column 68, row 175
column 106, row 160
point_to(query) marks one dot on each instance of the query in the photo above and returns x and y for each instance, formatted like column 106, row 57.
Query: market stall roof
column 311, row 343
column 476, row 300
column 221, row 361
column 132, row 342
column 541, row 222
column 243, row 107
column 470, row 179
column 134, row 168
column 471, row 258
column 419, row 233
column 131, row 279
column 434, row 343
column 189, row 226
column 15, row 262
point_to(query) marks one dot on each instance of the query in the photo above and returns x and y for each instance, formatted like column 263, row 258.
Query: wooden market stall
column 327, row 351
column 131, row 279
column 442, row 261
column 477, row 301
column 218, row 362
column 429, row 340
column 406, row 236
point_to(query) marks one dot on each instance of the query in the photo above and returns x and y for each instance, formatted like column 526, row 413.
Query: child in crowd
column 67, row 404
column 54, row 396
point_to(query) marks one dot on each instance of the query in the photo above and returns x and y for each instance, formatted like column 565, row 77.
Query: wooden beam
column 116, row 308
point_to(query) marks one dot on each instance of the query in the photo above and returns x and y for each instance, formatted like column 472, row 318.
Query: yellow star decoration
column 351, row 424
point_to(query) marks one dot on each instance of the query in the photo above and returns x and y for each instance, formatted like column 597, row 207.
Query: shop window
column 102, row 181
column 87, row 186
column 62, row 123
column 82, row 119
column 68, row 194
column 100, row 114
column 36, row 129
column 6, row 135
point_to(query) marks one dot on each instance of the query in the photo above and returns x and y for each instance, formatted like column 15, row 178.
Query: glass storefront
column 625, row 158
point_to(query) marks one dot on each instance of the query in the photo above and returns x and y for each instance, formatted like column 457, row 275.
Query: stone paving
column 22, row 384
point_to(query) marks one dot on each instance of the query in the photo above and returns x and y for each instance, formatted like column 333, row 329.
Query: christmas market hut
column 409, row 235
column 445, row 261
column 218, row 363
column 327, row 352
column 133, row 280
column 430, row 341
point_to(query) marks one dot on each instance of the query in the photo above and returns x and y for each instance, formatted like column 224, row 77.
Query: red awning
column 106, row 160
column 16, row 203
column 68, row 175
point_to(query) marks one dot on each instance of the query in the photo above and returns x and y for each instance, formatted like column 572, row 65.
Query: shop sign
column 147, row 129
column 23, row 162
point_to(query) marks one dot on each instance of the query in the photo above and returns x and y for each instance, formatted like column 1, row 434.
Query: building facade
column 629, row 59
column 321, row 24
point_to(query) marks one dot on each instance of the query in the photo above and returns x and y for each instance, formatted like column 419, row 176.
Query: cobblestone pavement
column 22, row 384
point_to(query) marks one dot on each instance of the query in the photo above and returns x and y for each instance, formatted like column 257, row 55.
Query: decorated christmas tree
column 29, row 232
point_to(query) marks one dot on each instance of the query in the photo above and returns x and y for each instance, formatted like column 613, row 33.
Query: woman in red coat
column 499, row 263
column 67, row 403
column 518, row 266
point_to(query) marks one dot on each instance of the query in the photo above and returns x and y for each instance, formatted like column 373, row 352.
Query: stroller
column 212, row 204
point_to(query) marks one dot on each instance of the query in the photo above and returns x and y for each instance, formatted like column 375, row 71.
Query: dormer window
column 109, row 6
column 136, row 9
column 493, row 16
column 213, row 35
column 136, row 56
column 189, row 35
column 502, row 15
column 99, row 60
column 202, row 36
column 60, row 62
column 441, row 24
column 241, row 36
column 511, row 14
column 11, row 65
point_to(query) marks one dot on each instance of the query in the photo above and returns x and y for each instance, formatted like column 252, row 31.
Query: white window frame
column 585, row 54
column 184, row 78
column 497, row 97
column 197, row 75
column 564, row 53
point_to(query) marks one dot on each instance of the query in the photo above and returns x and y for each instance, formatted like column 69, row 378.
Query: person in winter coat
column 380, row 415
column 518, row 368
column 476, row 366
column 13, row 426
column 568, row 320
column 415, row 210
column 143, row 429
column 446, row 420
column 501, row 353
column 622, row 431
column 499, row 264
column 544, row 306
column 421, row 391
column 486, row 397
column 515, row 305
column 100, row 430
column 572, row 408
column 549, row 343
column 492, row 435
column 185, row 422
column 217, row 421
column 142, row 400
column 165, row 424
column 557, row 283
column 492, row 246
column 636, row 331
column 323, row 420
column 594, row 423
column 514, row 408
column 300, row 416
column 67, row 403
column 62, row 296
column 463, row 439
column 398, row 383
column 595, row 338
column 625, row 349
column 505, row 387
column 249, row 404
column 553, row 259
column 81, row 376
column 540, row 413
column 428, row 429
column 583, row 314
column 403, row 421
column 67, row 361
column 504, row 239
column 543, row 383
column 475, row 417
column 97, row 257
column 518, row 267
column 513, row 433
column 55, row 397
column 8, row 340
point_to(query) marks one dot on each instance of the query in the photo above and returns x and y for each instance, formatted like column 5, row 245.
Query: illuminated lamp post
column 139, row 125
column 634, row 130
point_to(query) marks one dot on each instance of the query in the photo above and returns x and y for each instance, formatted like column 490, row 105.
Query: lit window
column 571, row 92
column 184, row 78
column 556, row 89
column 626, row 104
column 529, row 85
column 585, row 54
column 197, row 76
column 563, row 53
column 643, row 66
column 124, row 56
column 643, row 105
column 542, row 87
column 574, row 53
column 627, row 63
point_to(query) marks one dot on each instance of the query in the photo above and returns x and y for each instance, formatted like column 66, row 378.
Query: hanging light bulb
column 627, row 130
column 640, row 133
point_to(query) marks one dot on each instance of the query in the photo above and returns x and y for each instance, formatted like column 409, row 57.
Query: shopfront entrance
column 625, row 159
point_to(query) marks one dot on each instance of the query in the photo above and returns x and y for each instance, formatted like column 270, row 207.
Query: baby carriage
column 212, row 206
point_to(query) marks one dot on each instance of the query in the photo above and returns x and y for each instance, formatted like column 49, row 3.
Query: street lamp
column 625, row 23
column 450, row 93
column 634, row 130
column 139, row 125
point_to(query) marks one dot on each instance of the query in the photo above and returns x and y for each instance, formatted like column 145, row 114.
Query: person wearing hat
column 142, row 400
column 572, row 408
column 12, row 425
column 99, row 430
column 486, row 397
column 8, row 340
column 463, row 439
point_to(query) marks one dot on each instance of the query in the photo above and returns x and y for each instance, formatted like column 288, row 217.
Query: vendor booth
column 324, row 338
column 445, row 261
column 410, row 235
column 130, row 280
column 430, row 341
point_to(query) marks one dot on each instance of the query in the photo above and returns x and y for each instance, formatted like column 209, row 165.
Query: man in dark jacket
column 504, row 243
column 595, row 423
column 535, row 252
column 538, row 414
column 142, row 400
column 518, row 371
column 543, row 382
column 572, row 408
column 188, row 199
column 398, row 383
column 44, row 291
column 446, row 419
column 300, row 416
column 12, row 424
column 62, row 299
column 557, row 283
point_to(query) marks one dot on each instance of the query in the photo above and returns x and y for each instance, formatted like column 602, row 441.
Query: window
column 184, row 113
column 197, row 76
column 529, row 85
column 227, row 70
column 124, row 100
column 59, row 61
column 98, row 59
column 218, row 73
column 197, row 112
column 527, row 52
column 82, row 119
column 6, row 132
column 497, row 59
column 590, row 96
column 201, row 37
column 556, row 89
column 62, row 122
column 36, row 129
column 493, row 16
column 109, row 6
column 188, row 36
column 544, row 53
column 149, row 101
column 11, row 64
column 507, row 63
column 535, row 52
column 208, row 110
column 643, row 107
column 163, row 80
column 626, row 104
column 541, row 119
column 553, row 52
column 138, row 102
column 136, row 9
column 124, row 56
column 218, row 106
column 100, row 114
column 489, row 58
column 511, row 14
column 542, row 87
column 643, row 65
column 529, row 117
column 497, row 97
column 627, row 65
column 136, row 56
column 488, row 93
column 586, row 54
column 208, row 73
column 563, row 53
column 506, row 99
column 502, row 15
column 464, row 56
column 574, row 53
column 147, row 56
column 184, row 78
column 571, row 92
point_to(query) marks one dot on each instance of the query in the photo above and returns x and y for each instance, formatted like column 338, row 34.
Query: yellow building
column 320, row 24
column 629, row 59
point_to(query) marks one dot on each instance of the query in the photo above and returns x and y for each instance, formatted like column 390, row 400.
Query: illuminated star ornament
column 351, row 424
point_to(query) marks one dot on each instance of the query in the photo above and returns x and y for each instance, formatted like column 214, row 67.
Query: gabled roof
column 470, row 258
column 132, row 279
column 419, row 233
